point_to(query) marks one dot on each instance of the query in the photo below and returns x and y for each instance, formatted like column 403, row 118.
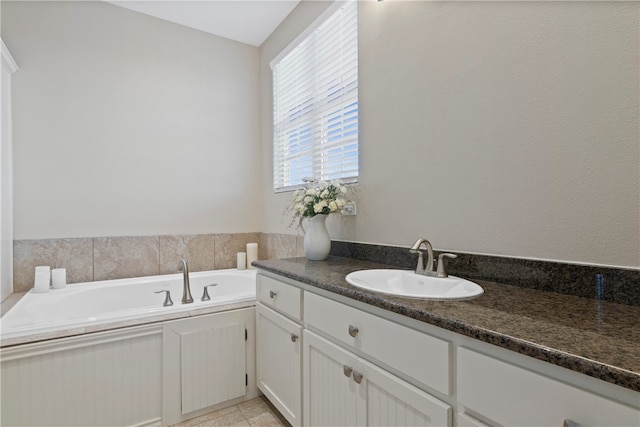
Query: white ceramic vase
column 317, row 242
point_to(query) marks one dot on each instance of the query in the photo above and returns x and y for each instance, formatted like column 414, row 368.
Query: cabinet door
column 279, row 373
column 511, row 395
column 330, row 395
column 386, row 400
column 204, row 363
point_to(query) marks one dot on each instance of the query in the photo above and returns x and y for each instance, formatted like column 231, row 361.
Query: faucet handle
column 167, row 301
column 205, row 293
column 442, row 272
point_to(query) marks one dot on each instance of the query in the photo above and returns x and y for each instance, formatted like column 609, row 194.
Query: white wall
column 7, row 68
column 506, row 128
column 128, row 125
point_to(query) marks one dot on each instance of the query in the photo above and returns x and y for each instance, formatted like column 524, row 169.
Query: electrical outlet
column 349, row 208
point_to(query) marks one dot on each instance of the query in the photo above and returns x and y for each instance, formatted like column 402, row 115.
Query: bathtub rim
column 178, row 311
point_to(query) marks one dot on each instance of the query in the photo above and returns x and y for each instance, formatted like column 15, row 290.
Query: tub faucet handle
column 205, row 293
column 167, row 300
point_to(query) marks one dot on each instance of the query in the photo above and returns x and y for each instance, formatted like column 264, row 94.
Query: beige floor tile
column 235, row 419
column 253, row 407
column 266, row 419
column 210, row 417
column 258, row 412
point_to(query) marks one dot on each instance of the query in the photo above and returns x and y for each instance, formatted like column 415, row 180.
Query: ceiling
column 246, row 21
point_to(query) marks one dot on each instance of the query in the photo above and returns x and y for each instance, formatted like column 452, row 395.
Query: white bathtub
column 88, row 304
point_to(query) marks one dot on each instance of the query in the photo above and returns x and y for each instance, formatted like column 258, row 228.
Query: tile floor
column 257, row 412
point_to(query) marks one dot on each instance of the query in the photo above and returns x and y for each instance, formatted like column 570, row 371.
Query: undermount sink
column 409, row 284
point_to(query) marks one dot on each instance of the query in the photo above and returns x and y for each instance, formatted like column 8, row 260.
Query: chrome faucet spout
column 186, row 288
column 427, row 269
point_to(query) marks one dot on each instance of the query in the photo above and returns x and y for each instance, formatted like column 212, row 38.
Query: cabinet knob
column 357, row 377
column 353, row 330
column 272, row 294
column 294, row 337
column 347, row 370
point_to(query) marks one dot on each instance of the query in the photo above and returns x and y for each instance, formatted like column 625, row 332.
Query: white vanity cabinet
column 365, row 366
column 279, row 346
column 342, row 388
column 508, row 394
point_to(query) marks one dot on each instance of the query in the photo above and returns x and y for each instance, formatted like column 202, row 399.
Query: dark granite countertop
column 597, row 338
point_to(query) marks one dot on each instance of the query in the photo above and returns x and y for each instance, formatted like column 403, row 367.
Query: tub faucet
column 186, row 289
column 421, row 268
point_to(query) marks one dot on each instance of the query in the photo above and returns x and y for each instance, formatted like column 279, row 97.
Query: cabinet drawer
column 420, row 356
column 511, row 395
column 280, row 296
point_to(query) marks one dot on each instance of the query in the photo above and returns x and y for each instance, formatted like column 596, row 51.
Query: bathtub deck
column 257, row 412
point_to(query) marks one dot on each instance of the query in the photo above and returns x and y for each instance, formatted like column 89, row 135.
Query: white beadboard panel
column 389, row 401
column 279, row 362
column 330, row 397
column 212, row 366
column 194, row 353
column 116, row 383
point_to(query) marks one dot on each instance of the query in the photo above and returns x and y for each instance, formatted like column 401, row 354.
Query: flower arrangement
column 317, row 198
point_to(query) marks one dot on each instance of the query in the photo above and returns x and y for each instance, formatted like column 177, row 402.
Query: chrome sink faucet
column 186, row 288
column 428, row 270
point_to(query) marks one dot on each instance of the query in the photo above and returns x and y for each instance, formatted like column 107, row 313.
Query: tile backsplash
column 105, row 258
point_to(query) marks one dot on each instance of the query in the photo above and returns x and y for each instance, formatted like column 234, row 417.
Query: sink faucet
column 421, row 268
column 186, row 289
column 428, row 270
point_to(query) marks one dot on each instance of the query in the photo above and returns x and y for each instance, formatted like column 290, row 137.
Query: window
column 315, row 102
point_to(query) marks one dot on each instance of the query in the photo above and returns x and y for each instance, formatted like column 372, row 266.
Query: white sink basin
column 409, row 284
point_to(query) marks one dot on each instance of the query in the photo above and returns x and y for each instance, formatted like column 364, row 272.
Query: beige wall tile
column 278, row 245
column 123, row 257
column 76, row 255
column 197, row 249
column 300, row 245
column 228, row 245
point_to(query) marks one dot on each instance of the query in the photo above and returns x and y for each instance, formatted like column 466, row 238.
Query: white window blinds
column 315, row 104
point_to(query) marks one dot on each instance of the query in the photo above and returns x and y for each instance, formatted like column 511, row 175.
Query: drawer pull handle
column 357, row 377
column 272, row 294
column 294, row 337
column 353, row 330
column 570, row 423
column 347, row 370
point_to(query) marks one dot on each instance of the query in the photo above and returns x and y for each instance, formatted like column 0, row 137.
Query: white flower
column 317, row 197
column 318, row 207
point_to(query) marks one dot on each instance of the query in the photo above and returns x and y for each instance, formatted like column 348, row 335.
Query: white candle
column 42, row 279
column 252, row 253
column 242, row 261
column 59, row 278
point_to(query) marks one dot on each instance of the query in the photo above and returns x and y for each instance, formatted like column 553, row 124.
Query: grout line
column 93, row 259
